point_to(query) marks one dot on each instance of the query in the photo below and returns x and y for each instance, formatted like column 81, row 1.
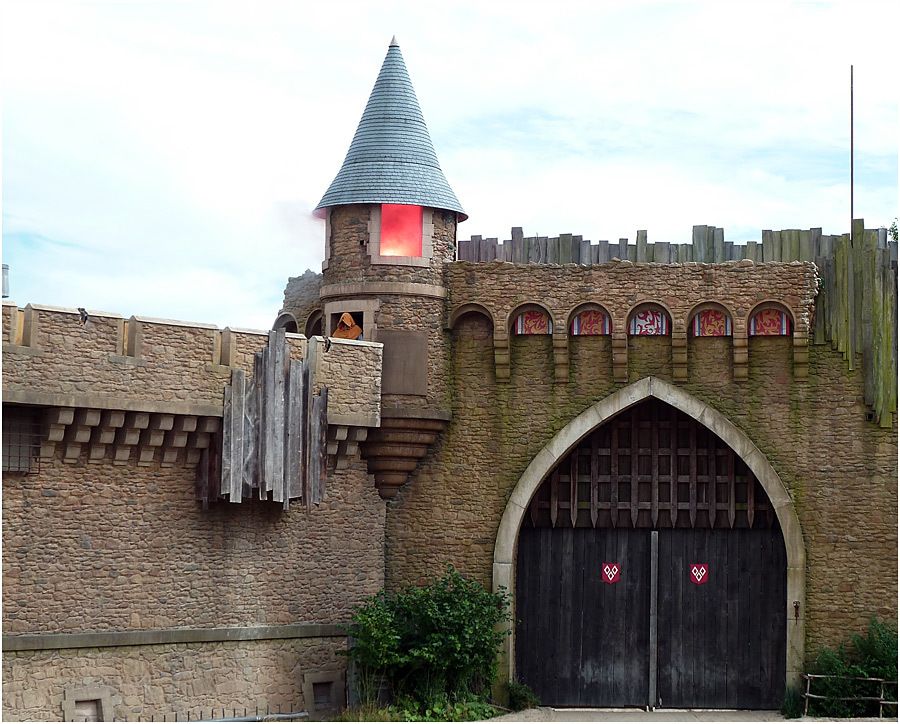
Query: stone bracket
column 120, row 437
column 679, row 356
column 393, row 451
column 560, row 358
column 343, row 443
column 620, row 356
column 501, row 356
column 801, row 356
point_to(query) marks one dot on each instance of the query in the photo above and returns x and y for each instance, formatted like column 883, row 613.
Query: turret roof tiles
column 391, row 159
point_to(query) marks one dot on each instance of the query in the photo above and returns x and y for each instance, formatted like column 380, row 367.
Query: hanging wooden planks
column 317, row 448
column 274, row 433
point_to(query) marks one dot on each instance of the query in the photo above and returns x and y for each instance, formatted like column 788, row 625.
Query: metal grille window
column 21, row 439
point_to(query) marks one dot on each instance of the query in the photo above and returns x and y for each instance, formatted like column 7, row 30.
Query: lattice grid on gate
column 652, row 466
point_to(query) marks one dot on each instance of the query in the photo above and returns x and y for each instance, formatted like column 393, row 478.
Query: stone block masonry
column 116, row 545
column 839, row 468
column 170, row 682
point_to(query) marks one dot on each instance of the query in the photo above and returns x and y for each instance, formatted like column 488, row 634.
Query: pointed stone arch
column 569, row 436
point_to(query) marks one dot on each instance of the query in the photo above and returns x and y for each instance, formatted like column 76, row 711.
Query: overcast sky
column 163, row 158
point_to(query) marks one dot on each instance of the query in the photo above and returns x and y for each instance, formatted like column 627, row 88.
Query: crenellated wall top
column 54, row 356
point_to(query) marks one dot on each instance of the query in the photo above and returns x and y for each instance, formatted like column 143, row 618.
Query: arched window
column 314, row 323
column 590, row 322
column 649, row 320
column 285, row 321
column 770, row 322
column 532, row 321
column 711, row 322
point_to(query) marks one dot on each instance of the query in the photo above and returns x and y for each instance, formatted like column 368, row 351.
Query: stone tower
column 390, row 227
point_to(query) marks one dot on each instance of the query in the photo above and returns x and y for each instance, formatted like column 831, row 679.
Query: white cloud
column 181, row 146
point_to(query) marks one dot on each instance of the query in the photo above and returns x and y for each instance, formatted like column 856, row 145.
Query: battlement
column 56, row 357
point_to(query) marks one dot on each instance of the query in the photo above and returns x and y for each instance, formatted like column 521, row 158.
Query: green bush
column 871, row 656
column 435, row 646
column 521, row 696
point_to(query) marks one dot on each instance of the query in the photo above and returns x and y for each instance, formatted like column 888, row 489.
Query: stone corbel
column 112, row 435
column 393, row 450
column 620, row 356
column 801, row 355
column 343, row 443
column 560, row 357
column 679, row 355
column 501, row 356
column 741, row 357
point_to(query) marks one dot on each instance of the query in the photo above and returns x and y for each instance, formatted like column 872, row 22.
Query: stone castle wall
column 121, row 548
column 169, row 682
column 839, row 469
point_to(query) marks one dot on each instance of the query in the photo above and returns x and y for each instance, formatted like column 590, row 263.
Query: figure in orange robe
column 347, row 328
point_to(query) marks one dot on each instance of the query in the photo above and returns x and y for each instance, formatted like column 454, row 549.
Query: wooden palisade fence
column 856, row 308
column 273, row 443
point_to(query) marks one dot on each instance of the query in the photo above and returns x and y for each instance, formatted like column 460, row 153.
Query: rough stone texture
column 839, row 469
column 352, row 371
column 349, row 260
column 155, row 682
column 301, row 297
column 427, row 315
column 177, row 362
column 90, row 547
column 620, row 286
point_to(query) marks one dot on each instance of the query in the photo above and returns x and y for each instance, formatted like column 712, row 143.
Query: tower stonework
column 391, row 222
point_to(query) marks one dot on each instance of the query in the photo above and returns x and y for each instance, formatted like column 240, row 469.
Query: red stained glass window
column 401, row 230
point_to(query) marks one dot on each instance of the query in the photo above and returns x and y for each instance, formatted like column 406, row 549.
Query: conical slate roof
column 391, row 159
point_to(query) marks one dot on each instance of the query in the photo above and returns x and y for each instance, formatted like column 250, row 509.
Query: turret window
column 401, row 234
column 401, row 230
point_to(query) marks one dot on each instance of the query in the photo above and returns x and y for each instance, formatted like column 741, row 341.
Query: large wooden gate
column 651, row 571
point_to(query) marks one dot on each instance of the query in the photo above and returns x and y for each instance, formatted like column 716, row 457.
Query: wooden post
column 641, row 243
column 654, row 586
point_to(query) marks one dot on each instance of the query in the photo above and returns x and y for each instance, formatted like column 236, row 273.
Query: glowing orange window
column 401, row 230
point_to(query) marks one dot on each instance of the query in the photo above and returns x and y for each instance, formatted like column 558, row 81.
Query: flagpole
column 851, row 154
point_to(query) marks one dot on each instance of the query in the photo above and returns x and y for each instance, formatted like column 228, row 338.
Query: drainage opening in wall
column 324, row 691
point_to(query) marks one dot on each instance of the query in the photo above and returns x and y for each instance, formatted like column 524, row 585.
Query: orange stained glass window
column 401, row 230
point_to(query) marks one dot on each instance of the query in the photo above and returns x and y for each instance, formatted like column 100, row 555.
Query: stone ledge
column 359, row 289
column 108, row 402
column 414, row 412
column 151, row 637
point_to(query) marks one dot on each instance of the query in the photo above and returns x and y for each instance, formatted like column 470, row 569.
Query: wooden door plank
column 633, row 478
column 673, row 470
column 595, row 482
column 654, row 588
column 731, row 488
column 712, row 484
column 614, row 476
column 573, row 487
column 554, row 497
column 693, row 474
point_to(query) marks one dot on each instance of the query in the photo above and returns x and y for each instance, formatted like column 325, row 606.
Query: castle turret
column 391, row 223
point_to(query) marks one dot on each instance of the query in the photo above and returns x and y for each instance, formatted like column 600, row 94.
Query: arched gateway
column 676, row 578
